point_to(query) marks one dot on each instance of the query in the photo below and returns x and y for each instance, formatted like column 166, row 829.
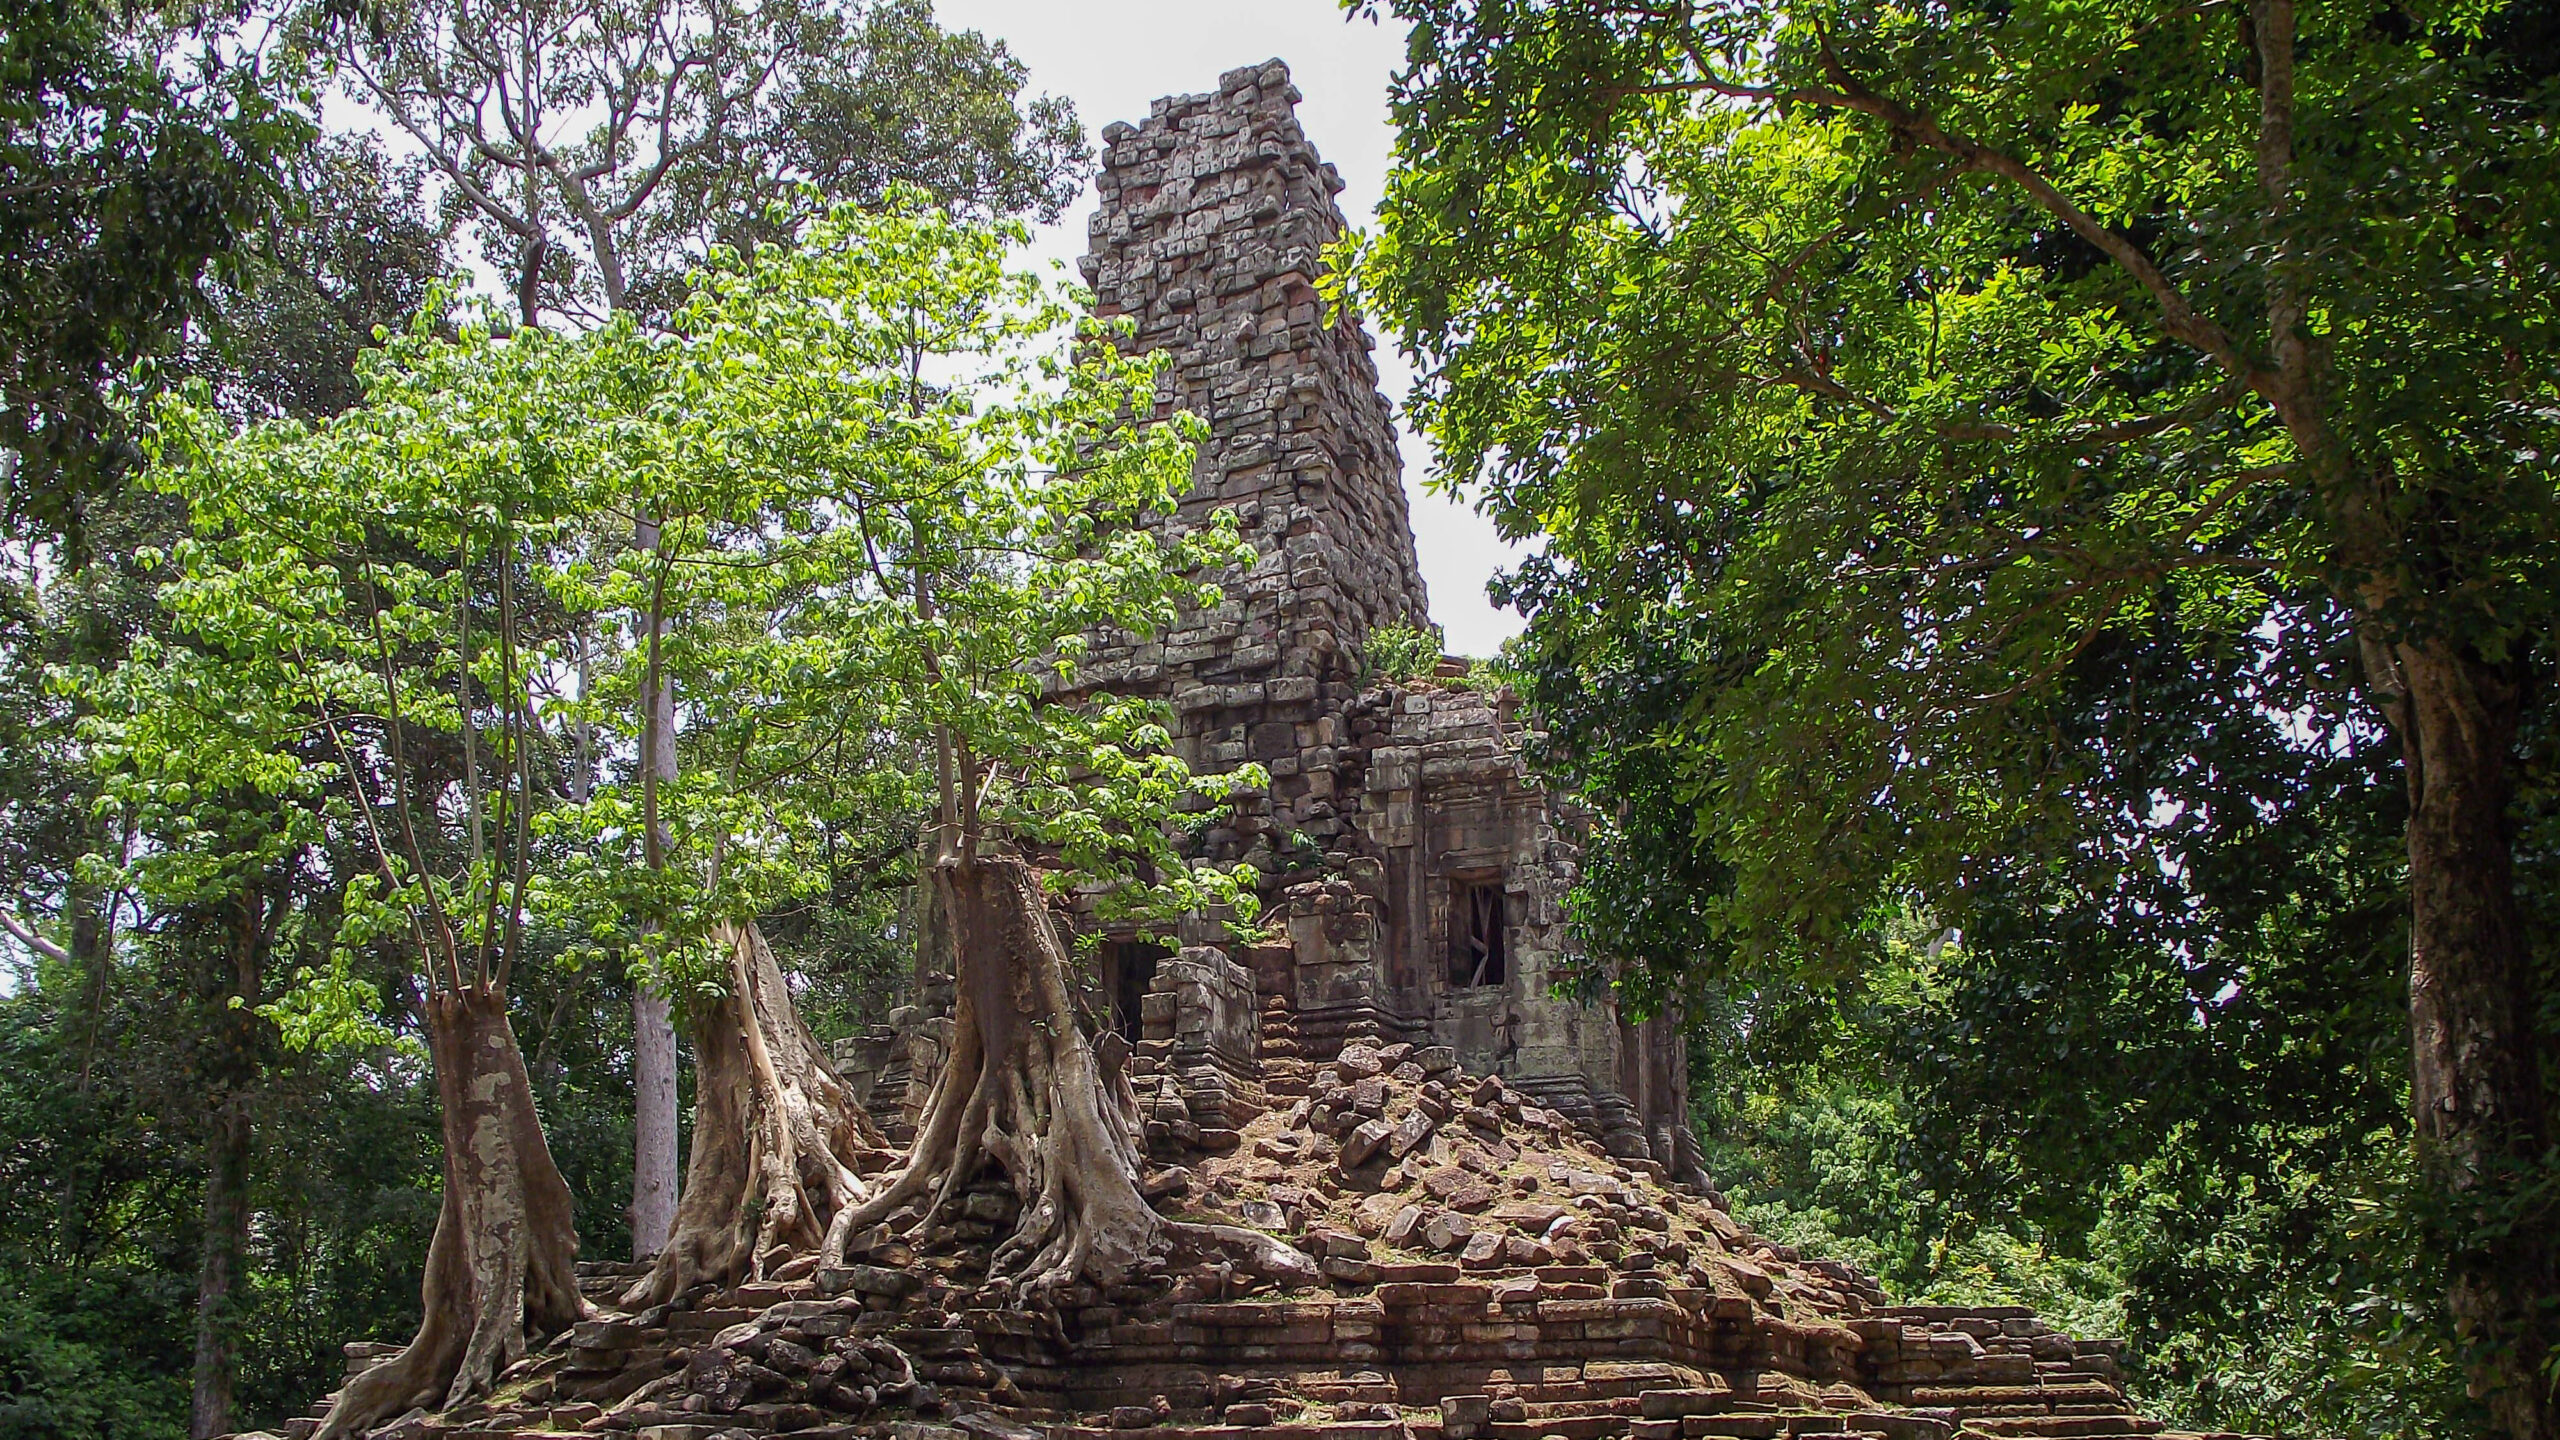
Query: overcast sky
column 1111, row 57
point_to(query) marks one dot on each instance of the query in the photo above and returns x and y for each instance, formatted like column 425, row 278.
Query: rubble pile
column 1489, row 1272
column 1414, row 1160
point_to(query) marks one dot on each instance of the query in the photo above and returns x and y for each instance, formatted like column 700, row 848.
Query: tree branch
column 2178, row 318
column 25, row 935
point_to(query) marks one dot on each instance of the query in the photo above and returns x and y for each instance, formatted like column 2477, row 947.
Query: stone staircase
column 1490, row 1273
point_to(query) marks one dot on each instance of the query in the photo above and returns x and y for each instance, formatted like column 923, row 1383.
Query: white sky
column 1111, row 57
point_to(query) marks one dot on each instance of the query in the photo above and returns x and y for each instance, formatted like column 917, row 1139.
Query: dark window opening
column 1129, row 971
column 1478, row 934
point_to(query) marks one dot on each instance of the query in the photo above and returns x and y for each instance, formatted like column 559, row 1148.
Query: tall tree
column 1913, row 358
column 356, row 249
column 353, row 637
column 894, row 502
column 2149, row 1028
column 598, row 149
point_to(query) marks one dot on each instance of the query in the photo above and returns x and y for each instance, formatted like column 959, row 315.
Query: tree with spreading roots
column 594, row 151
column 893, row 488
column 901, row 488
column 355, row 637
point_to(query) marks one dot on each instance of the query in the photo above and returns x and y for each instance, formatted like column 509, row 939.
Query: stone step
column 1969, row 1433
column 2090, row 1398
column 2051, row 1427
column 1568, row 1425
column 1620, row 1406
column 1774, row 1427
column 1331, row 1430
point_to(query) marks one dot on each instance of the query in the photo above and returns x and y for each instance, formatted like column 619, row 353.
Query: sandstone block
column 1447, row 1230
column 1406, row 1224
column 1369, row 1097
column 1364, row 1142
column 1522, row 1250
column 1463, row 1417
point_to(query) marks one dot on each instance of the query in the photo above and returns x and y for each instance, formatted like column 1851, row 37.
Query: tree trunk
column 653, row 1123
column 2475, row 1069
column 93, row 950
column 779, row 1141
column 1026, row 1091
column 226, row 1236
column 653, row 1031
column 498, row 1270
column 231, row 1078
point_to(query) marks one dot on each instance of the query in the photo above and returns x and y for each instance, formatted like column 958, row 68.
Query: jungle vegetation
column 2044, row 581
column 2047, row 522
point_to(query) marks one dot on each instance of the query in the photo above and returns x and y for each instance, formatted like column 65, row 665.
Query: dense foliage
column 2069, row 484
column 135, row 157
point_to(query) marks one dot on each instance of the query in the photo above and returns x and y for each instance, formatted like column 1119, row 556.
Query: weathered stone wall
column 1200, row 1061
column 1209, row 242
column 1209, row 239
column 1446, row 803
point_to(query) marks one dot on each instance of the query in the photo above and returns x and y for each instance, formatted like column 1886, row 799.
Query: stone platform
column 1491, row 1273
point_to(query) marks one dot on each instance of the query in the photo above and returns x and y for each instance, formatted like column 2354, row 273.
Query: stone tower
column 1209, row 237
column 1209, row 240
column 1415, row 872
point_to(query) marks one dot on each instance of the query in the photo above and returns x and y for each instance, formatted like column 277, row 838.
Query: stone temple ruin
column 1502, row 1230
column 1415, row 875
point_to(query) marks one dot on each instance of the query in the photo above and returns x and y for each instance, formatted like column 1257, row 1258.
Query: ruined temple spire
column 1210, row 236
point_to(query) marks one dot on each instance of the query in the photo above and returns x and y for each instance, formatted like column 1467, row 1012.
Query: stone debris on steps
column 1491, row 1273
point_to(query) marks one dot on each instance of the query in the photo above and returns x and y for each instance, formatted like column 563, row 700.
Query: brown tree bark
column 779, row 1141
column 226, row 1235
column 498, row 1269
column 2475, row 1072
column 1025, row 1090
column 234, row 1034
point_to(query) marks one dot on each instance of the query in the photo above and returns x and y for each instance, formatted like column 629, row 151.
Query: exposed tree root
column 1026, row 1091
column 779, row 1142
column 498, row 1269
